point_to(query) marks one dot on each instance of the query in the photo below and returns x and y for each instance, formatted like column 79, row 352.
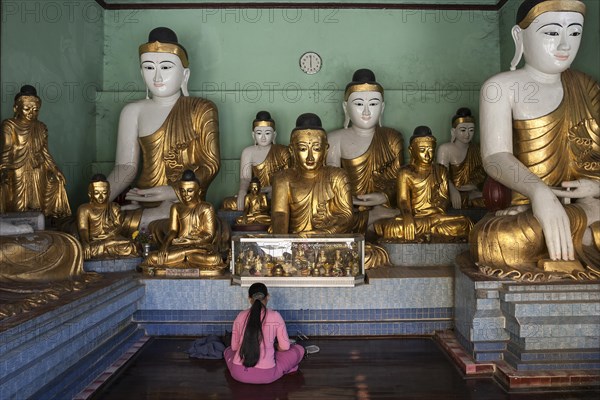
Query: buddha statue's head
column 27, row 104
column 422, row 146
column 308, row 143
column 363, row 100
column 463, row 126
column 164, row 63
column 263, row 129
column 548, row 34
column 254, row 186
column 189, row 188
column 98, row 189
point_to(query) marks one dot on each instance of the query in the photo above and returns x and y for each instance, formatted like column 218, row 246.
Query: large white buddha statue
column 171, row 131
column 540, row 137
column 369, row 153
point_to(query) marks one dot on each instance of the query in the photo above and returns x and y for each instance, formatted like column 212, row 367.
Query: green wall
column 245, row 60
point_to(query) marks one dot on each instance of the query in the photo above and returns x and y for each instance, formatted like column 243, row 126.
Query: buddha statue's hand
column 553, row 218
column 87, row 251
column 578, row 189
column 161, row 256
column 455, row 197
column 155, row 194
column 409, row 226
column 513, row 210
column 369, row 199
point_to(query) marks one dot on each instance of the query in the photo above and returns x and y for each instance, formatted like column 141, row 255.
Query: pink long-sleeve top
column 273, row 327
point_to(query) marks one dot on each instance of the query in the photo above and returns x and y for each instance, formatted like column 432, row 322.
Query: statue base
column 567, row 267
column 527, row 328
column 112, row 265
column 423, row 254
column 184, row 271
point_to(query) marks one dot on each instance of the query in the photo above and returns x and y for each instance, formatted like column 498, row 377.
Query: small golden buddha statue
column 31, row 179
column 423, row 198
column 463, row 159
column 189, row 243
column 256, row 206
column 545, row 150
column 311, row 197
column 99, row 223
column 169, row 132
column 260, row 161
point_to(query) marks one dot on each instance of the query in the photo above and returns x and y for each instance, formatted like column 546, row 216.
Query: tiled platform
column 537, row 334
column 396, row 301
column 70, row 343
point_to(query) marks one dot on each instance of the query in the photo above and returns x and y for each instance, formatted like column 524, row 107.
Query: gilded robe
column 187, row 139
column 29, row 170
column 321, row 204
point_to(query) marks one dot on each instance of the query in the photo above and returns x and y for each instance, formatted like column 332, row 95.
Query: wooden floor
column 390, row 368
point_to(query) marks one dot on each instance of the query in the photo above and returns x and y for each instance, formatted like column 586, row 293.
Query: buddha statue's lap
column 552, row 148
column 423, row 198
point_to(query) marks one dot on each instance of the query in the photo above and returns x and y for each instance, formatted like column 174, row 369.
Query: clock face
column 310, row 62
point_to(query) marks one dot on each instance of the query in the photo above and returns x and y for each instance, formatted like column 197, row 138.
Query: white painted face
column 364, row 109
column 464, row 132
column 551, row 42
column 163, row 73
column 263, row 135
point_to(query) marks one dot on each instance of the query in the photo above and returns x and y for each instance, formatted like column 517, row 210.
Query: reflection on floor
column 345, row 368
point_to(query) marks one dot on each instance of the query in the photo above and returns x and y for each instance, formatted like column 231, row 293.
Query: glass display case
column 301, row 261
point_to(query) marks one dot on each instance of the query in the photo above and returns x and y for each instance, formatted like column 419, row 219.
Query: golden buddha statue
column 31, row 179
column 462, row 158
column 256, row 206
column 423, row 198
column 170, row 132
column 546, row 150
column 311, row 197
column 261, row 160
column 189, row 243
column 99, row 224
column 369, row 153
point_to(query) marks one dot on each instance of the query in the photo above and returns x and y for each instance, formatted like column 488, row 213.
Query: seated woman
column 253, row 356
column 462, row 158
column 260, row 161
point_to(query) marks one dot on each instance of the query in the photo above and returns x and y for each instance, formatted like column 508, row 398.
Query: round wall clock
column 310, row 62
